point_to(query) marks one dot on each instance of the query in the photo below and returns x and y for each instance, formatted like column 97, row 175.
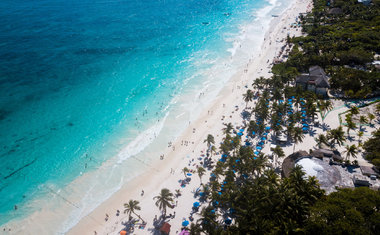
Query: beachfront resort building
column 315, row 81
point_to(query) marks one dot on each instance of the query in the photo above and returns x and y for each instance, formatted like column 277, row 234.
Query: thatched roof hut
column 289, row 162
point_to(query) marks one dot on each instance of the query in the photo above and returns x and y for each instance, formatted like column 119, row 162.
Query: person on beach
column 142, row 192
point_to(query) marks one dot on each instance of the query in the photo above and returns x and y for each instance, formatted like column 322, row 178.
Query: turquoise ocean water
column 80, row 80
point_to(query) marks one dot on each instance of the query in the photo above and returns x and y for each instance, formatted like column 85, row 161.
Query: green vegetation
column 372, row 149
column 344, row 45
column 346, row 212
column 245, row 195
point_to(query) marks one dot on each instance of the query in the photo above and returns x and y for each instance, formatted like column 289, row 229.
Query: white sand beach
column 190, row 147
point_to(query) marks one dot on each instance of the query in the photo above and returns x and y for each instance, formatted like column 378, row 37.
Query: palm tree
column 360, row 134
column 248, row 96
column 201, row 171
column 336, row 136
column 362, row 120
column 354, row 110
column 164, row 200
column 297, row 136
column 321, row 139
column 185, row 170
column 209, row 140
column 228, row 128
column 131, row 207
column 351, row 151
column 371, row 117
column 350, row 126
column 324, row 107
column 278, row 152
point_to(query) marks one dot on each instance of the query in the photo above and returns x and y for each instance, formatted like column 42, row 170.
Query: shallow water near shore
column 86, row 86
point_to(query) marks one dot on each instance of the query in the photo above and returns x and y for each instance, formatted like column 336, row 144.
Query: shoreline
column 208, row 122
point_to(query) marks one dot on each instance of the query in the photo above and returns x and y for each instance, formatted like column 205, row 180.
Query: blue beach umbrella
column 303, row 115
column 228, row 221
column 265, row 134
column 263, row 138
column 253, row 133
column 212, row 211
column 259, row 148
column 255, row 158
column 220, row 193
column 305, row 125
column 267, row 128
column 247, row 143
column 261, row 143
column 305, row 129
column 241, row 130
column 256, row 152
column 239, row 134
column 201, row 194
column 189, row 174
column 185, row 223
column 196, row 204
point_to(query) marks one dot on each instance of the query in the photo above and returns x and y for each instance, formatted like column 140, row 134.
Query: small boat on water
column 205, row 23
column 274, row 15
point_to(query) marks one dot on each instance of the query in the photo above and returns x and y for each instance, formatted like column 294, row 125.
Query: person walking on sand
column 142, row 192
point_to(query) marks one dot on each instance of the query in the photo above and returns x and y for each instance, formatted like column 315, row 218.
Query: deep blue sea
column 79, row 76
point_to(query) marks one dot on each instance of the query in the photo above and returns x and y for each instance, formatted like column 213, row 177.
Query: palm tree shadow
column 350, row 138
column 325, row 127
column 245, row 114
column 157, row 225
column 129, row 226
column 312, row 133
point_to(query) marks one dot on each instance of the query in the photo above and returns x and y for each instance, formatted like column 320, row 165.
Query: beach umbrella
column 201, row 194
column 265, row 134
column 239, row 134
column 267, row 128
column 247, row 143
column 189, row 174
column 303, row 115
column 241, row 130
column 185, row 223
column 196, row 204
column 123, row 232
column 220, row 193
column 237, row 160
column 228, row 221
column 255, row 158
column 256, row 152
column 261, row 143
column 305, row 125
column 253, row 133
column 212, row 211
column 263, row 138
column 304, row 128
column 259, row 148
